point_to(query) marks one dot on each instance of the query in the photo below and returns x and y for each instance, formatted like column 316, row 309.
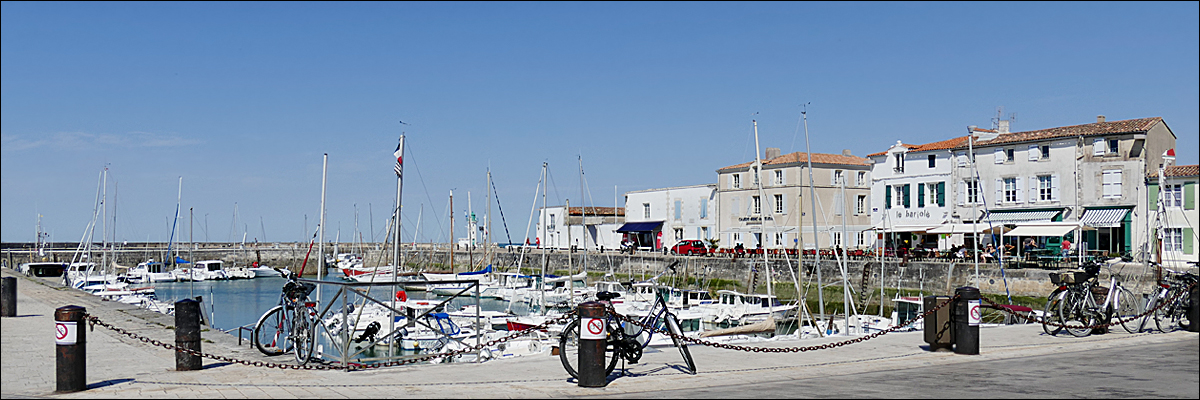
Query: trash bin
column 937, row 325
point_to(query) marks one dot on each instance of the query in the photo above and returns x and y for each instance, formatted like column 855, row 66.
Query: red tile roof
column 942, row 145
column 817, row 158
column 1140, row 125
column 1178, row 170
column 598, row 211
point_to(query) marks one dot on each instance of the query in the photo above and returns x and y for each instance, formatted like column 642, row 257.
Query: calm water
column 235, row 303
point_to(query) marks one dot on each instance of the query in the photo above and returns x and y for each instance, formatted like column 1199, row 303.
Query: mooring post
column 187, row 335
column 71, row 348
column 937, row 325
column 591, row 345
column 967, row 314
column 8, row 297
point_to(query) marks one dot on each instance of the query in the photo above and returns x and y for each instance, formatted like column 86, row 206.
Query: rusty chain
column 784, row 349
column 93, row 321
column 1162, row 304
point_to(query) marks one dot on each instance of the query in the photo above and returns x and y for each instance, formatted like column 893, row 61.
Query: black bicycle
column 625, row 340
column 289, row 326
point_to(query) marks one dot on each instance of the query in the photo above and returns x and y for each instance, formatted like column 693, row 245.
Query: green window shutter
column 907, row 204
column 941, row 197
column 921, row 195
column 1189, row 195
column 887, row 192
column 1187, row 241
column 1153, row 192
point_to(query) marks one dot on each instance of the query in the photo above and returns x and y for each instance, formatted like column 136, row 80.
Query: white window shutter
column 1034, row 152
column 1098, row 147
column 962, row 160
column 962, row 192
column 736, row 212
column 1054, row 187
column 1020, row 197
column 999, row 191
column 1035, row 190
column 1000, row 156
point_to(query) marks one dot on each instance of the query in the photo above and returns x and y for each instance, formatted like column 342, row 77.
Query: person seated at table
column 961, row 253
column 989, row 253
column 1028, row 247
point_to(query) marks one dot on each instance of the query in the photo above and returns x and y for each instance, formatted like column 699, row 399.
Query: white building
column 658, row 218
column 590, row 227
column 1173, row 215
column 911, row 194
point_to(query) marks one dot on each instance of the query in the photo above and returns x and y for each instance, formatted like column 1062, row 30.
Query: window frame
column 1045, row 187
column 1010, row 189
column 973, row 189
column 778, row 203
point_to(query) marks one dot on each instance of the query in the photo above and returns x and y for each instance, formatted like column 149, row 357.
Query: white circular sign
column 975, row 313
column 65, row 332
column 592, row 328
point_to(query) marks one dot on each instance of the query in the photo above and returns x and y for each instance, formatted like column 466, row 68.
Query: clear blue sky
column 242, row 99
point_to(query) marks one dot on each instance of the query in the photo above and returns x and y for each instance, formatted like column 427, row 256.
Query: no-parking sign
column 975, row 313
column 65, row 332
column 591, row 328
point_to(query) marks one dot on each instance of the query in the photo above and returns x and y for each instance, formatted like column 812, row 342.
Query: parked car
column 689, row 247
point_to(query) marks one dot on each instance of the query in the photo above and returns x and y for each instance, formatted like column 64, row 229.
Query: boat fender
column 401, row 295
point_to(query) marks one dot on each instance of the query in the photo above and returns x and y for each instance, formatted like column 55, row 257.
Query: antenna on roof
column 1001, row 125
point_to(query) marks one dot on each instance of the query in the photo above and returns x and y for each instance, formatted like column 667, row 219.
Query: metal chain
column 1100, row 326
column 785, row 349
column 93, row 320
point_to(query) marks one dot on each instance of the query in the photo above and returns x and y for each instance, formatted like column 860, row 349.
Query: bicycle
column 290, row 325
column 1168, row 316
column 625, row 340
column 1072, row 304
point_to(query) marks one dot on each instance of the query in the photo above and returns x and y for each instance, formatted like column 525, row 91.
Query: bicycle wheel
column 272, row 332
column 303, row 334
column 568, row 350
column 1050, row 319
column 1162, row 316
column 1126, row 308
column 1073, row 312
column 673, row 323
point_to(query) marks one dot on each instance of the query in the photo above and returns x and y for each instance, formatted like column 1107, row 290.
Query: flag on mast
column 399, row 158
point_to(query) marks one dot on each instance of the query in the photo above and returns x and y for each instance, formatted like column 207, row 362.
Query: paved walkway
column 122, row 367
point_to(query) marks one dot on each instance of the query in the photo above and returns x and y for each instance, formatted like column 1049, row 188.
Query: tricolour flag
column 399, row 158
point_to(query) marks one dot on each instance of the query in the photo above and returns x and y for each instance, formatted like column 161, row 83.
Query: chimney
column 1003, row 126
column 846, row 152
column 1099, row 119
column 972, row 128
column 772, row 152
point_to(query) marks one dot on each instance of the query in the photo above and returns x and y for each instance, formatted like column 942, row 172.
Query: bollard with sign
column 71, row 348
column 967, row 314
column 591, row 345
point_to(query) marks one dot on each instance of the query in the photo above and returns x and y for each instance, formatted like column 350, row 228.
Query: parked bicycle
column 289, row 326
column 1170, row 301
column 625, row 340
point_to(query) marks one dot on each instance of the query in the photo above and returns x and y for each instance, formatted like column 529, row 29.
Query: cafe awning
column 1045, row 229
column 903, row 228
column 1103, row 217
column 633, row 227
column 966, row 228
column 1015, row 217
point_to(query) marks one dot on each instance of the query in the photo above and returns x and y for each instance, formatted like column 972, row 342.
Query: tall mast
column 974, row 205
column 812, row 190
column 762, row 196
column 487, row 218
column 399, row 190
column 321, row 227
column 582, row 220
column 846, row 300
column 452, row 244
column 545, row 231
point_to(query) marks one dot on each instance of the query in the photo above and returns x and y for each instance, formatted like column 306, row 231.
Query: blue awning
column 639, row 227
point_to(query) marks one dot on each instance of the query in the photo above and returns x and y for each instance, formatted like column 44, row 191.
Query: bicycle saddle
column 606, row 296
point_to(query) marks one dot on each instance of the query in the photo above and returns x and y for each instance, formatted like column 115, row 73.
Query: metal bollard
column 1194, row 313
column 8, row 297
column 937, row 325
column 187, row 335
column 70, row 351
column 967, row 313
column 591, row 345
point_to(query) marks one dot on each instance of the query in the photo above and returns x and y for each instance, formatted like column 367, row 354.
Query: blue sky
column 242, row 99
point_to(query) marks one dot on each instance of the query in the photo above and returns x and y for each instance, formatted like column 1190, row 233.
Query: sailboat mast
column 762, row 198
column 582, row 223
column 812, row 190
column 452, row 231
column 321, row 227
column 399, row 190
column 546, row 231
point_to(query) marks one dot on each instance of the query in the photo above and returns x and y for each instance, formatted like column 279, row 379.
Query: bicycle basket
column 296, row 291
column 1068, row 278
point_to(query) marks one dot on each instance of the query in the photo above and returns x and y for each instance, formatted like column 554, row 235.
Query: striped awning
column 965, row 228
column 1014, row 217
column 1103, row 217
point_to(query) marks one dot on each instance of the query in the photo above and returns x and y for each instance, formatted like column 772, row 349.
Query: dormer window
column 899, row 162
column 1113, row 146
column 932, row 161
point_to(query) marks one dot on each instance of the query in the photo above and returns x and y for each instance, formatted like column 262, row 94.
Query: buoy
column 401, row 295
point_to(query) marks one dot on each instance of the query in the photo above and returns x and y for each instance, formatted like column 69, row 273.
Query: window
column 779, row 204
column 899, row 162
column 735, row 238
column 678, row 210
column 704, row 232
column 1113, row 146
column 779, row 239
column 757, row 204
column 862, row 179
column 838, row 177
column 678, row 233
column 755, row 170
column 704, row 208
column 837, row 239
column 860, row 207
column 972, row 187
column 932, row 161
column 931, row 193
column 1010, row 190
column 779, row 177
column 1173, row 239
column 1046, row 152
column 551, row 224
column 862, row 238
column 737, row 181
column 1173, row 195
column 1112, row 184
column 899, row 196
column 1008, row 155
column 646, row 210
column 1044, row 188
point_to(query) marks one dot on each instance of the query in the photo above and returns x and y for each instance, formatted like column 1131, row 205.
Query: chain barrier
column 784, row 349
column 1100, row 326
column 93, row 321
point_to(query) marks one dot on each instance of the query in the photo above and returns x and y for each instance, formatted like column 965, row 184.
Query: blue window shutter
column 887, row 191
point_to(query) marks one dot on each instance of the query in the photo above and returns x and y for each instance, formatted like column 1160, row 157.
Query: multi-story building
column 1173, row 215
column 911, row 188
column 1091, row 173
column 593, row 227
column 658, row 218
column 773, row 208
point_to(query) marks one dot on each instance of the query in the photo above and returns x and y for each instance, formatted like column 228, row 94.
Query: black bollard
column 1194, row 313
column 937, row 325
column 187, row 335
column 591, row 345
column 967, row 313
column 70, row 351
column 8, row 297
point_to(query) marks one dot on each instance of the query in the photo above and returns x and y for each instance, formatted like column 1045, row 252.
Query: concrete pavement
column 119, row 366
